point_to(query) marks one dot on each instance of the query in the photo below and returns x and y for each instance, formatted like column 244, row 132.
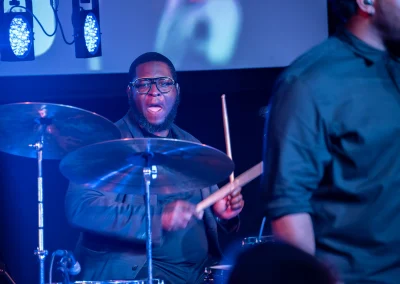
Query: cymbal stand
column 40, row 251
column 149, row 173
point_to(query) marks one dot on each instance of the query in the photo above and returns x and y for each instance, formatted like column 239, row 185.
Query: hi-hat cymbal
column 63, row 128
column 117, row 165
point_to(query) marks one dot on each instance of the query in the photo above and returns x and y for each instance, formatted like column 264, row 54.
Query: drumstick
column 227, row 189
column 226, row 132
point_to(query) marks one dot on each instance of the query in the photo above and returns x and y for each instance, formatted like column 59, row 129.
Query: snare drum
column 155, row 281
column 217, row 274
column 250, row 241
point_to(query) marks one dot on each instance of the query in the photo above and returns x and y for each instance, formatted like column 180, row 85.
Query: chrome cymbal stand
column 149, row 173
column 40, row 251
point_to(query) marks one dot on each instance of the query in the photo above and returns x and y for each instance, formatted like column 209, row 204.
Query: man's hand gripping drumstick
column 229, row 205
column 227, row 202
column 227, row 189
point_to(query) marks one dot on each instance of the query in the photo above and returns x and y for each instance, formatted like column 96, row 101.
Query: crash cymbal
column 117, row 165
column 63, row 128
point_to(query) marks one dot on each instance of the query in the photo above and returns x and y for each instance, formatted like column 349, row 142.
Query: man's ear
column 366, row 6
column 129, row 90
column 178, row 89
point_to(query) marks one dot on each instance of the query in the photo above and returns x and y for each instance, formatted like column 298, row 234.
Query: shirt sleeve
column 296, row 151
column 98, row 211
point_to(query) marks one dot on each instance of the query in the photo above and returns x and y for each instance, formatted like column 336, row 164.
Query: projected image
column 209, row 29
column 194, row 34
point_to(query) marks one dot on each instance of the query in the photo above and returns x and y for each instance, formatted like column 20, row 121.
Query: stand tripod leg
column 146, row 174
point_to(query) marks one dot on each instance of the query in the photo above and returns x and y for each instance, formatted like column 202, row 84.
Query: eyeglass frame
column 153, row 81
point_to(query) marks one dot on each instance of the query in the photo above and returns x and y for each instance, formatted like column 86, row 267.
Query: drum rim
column 110, row 282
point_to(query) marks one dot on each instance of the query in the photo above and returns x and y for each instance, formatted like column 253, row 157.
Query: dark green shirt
column 332, row 150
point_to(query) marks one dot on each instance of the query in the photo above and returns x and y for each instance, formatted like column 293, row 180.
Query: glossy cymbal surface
column 61, row 128
column 176, row 165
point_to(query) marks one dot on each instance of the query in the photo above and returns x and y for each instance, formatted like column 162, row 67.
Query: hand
column 230, row 206
column 176, row 215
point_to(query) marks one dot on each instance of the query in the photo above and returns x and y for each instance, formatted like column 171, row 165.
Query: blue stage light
column 86, row 29
column 20, row 36
column 92, row 33
column 16, row 33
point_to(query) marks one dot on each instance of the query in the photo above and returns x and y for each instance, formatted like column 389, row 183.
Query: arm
column 100, row 212
column 296, row 229
column 296, row 154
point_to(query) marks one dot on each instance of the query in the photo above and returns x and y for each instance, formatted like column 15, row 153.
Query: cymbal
column 117, row 165
column 63, row 128
column 222, row 267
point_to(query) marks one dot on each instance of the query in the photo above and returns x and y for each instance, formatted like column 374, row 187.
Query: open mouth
column 154, row 108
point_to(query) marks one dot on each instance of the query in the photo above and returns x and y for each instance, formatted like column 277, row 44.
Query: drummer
column 112, row 241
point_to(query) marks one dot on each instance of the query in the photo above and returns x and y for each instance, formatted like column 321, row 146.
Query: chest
column 363, row 120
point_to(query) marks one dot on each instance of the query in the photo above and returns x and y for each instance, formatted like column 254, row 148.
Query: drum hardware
column 67, row 265
column 63, row 268
column 155, row 281
column 219, row 274
column 174, row 165
column 49, row 131
column 251, row 241
column 164, row 166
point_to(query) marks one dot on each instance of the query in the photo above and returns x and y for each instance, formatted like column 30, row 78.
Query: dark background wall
column 247, row 91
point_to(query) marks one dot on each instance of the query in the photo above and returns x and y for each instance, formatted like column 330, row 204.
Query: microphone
column 75, row 267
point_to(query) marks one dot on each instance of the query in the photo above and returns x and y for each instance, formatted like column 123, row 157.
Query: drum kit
column 91, row 151
column 219, row 274
column 155, row 281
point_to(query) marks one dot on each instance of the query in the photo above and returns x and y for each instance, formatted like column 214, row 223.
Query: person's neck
column 163, row 133
column 361, row 27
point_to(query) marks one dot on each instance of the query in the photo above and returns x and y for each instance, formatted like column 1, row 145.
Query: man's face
column 156, row 110
column 387, row 18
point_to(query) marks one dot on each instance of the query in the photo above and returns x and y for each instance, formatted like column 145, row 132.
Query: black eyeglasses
column 143, row 85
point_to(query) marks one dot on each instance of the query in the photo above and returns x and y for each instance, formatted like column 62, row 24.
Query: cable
column 61, row 28
column 9, row 277
column 51, row 268
column 37, row 20
column 54, row 6
column 64, row 270
column 4, row 271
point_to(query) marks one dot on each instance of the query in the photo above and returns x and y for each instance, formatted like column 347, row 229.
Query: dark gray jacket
column 112, row 243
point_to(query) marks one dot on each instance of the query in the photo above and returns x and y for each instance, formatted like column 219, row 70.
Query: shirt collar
column 360, row 47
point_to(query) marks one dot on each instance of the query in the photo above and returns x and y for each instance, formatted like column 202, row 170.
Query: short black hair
column 346, row 8
column 151, row 57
